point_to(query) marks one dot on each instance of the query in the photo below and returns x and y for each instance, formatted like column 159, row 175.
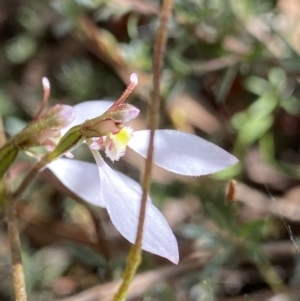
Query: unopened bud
column 46, row 127
column 68, row 142
column 59, row 116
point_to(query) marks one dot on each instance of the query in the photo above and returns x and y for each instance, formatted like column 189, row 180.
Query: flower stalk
column 15, row 249
column 13, row 234
column 135, row 255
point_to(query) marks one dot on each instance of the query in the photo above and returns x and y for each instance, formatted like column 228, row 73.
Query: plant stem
column 13, row 234
column 271, row 276
column 15, row 249
column 30, row 176
column 134, row 257
column 13, row 231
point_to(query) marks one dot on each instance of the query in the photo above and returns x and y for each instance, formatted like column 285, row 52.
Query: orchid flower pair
column 98, row 184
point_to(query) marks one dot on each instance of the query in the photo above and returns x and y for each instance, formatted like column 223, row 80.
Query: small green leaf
column 254, row 128
column 256, row 85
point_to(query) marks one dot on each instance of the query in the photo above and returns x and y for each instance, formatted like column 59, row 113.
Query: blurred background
column 231, row 76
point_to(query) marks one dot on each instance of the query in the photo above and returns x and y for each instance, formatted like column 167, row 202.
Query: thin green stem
column 18, row 273
column 15, row 249
column 13, row 233
column 271, row 276
column 134, row 257
column 31, row 175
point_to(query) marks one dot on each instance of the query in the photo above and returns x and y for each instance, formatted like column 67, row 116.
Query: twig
column 100, row 42
column 261, row 202
column 134, row 257
column 215, row 64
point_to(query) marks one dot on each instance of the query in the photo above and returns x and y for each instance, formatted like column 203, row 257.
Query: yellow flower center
column 115, row 145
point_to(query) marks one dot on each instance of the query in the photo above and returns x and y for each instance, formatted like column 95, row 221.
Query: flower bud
column 58, row 116
column 68, row 142
column 46, row 127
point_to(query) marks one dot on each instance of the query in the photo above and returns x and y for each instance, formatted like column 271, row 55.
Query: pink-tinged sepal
column 111, row 122
column 59, row 116
column 122, row 113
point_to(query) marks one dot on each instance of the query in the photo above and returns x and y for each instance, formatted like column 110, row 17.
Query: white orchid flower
column 98, row 184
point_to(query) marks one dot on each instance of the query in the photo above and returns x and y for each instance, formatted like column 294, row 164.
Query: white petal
column 123, row 205
column 182, row 153
column 134, row 184
column 80, row 177
column 88, row 110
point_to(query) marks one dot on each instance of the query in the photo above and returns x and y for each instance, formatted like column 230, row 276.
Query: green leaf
column 254, row 128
